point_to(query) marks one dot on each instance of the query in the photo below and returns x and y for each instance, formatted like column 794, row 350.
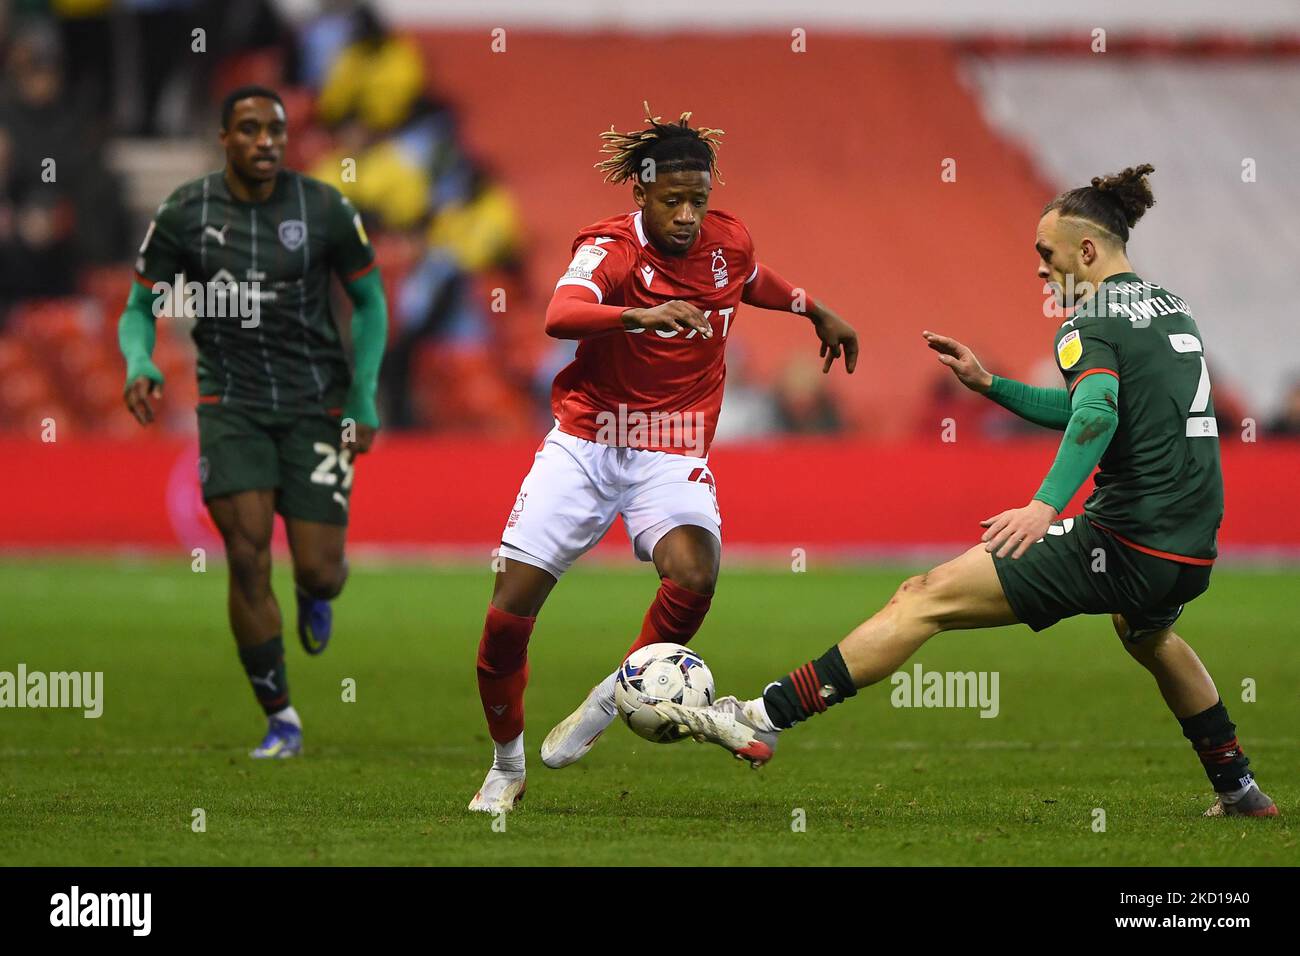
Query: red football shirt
column 647, row 388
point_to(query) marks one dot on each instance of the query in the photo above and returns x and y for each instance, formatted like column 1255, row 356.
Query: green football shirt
column 258, row 275
column 1159, row 486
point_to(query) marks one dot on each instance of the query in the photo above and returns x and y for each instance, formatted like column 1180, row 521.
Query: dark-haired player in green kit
column 251, row 249
column 1137, row 401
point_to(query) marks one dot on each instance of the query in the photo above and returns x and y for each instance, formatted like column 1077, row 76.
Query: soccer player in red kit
column 652, row 297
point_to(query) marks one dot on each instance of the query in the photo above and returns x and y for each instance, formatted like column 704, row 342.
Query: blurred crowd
column 366, row 116
column 79, row 78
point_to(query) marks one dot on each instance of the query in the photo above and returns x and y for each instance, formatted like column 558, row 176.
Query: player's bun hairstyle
column 671, row 147
column 243, row 93
column 1115, row 203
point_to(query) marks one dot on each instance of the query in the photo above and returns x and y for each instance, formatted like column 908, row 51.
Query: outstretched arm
column 576, row 313
column 1048, row 407
column 767, row 290
column 1094, row 416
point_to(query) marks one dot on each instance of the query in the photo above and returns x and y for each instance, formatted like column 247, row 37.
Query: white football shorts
column 576, row 488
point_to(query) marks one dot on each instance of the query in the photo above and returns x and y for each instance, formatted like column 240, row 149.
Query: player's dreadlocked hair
column 1115, row 203
column 669, row 147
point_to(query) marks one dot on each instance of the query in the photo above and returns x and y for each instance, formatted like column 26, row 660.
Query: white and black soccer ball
column 655, row 673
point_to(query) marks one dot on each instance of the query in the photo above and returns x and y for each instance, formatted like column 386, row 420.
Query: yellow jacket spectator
column 376, row 79
column 389, row 183
column 482, row 231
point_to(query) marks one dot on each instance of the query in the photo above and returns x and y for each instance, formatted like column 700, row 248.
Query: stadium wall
column 831, row 497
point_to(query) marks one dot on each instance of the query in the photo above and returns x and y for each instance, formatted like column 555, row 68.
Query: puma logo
column 217, row 234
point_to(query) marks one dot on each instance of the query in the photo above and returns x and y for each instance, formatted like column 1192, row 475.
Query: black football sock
column 809, row 690
column 264, row 665
column 1214, row 738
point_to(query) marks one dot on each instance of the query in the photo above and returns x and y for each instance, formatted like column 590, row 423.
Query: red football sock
column 503, row 672
column 675, row 616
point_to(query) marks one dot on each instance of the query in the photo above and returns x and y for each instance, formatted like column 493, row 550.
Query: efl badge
column 1069, row 350
column 584, row 263
column 292, row 234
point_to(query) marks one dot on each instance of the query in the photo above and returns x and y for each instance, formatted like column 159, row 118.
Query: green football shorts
column 1077, row 568
column 298, row 455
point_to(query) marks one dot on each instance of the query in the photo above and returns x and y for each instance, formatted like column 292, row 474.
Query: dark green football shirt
column 1159, row 485
column 265, row 333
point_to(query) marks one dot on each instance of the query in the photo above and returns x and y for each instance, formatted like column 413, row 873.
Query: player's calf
column 502, row 670
column 249, row 564
column 1190, row 693
column 264, row 666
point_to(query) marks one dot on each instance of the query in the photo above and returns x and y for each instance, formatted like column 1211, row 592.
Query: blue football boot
column 282, row 739
column 315, row 622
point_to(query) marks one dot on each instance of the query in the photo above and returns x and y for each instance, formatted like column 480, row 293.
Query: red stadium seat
column 463, row 389
column 263, row 67
column 109, row 287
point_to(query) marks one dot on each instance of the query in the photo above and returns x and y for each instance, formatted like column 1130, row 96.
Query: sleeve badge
column 1069, row 350
column 584, row 263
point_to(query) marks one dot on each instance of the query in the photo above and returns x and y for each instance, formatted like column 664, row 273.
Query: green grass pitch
column 385, row 779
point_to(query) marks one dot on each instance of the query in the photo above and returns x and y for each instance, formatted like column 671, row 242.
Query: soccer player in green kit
column 1138, row 402
column 281, row 416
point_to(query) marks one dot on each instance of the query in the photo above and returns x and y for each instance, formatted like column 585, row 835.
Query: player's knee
column 1135, row 649
column 695, row 569
column 521, row 590
column 907, row 596
column 700, row 578
column 926, row 597
column 323, row 579
column 1145, row 647
column 516, row 597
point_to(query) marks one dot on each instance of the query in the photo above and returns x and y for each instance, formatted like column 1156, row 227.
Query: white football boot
column 1249, row 801
column 502, row 790
column 571, row 738
column 726, row 723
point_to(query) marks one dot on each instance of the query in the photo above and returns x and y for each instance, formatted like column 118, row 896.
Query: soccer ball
column 661, row 672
